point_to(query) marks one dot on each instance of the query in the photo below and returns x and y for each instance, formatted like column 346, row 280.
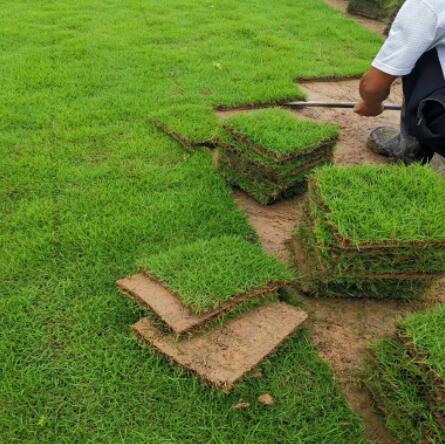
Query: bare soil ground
column 223, row 356
column 342, row 329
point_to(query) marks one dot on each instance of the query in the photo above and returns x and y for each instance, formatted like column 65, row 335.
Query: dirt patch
column 222, row 357
column 153, row 296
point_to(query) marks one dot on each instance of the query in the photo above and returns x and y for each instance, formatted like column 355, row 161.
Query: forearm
column 375, row 87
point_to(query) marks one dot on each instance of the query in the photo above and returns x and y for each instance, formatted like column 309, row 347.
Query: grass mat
column 322, row 282
column 261, row 191
column 242, row 167
column 396, row 383
column 277, row 170
column 205, row 274
column 384, row 204
column 88, row 186
column 278, row 133
column 191, row 125
column 429, row 261
column 424, row 334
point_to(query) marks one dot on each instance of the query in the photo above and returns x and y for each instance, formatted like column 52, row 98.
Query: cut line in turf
column 188, row 144
column 222, row 357
column 180, row 319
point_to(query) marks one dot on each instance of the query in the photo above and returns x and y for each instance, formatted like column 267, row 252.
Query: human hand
column 366, row 110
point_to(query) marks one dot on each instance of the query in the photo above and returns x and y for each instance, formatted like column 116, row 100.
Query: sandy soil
column 342, row 329
column 223, row 356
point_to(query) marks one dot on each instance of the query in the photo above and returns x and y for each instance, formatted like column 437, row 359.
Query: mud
column 222, row 357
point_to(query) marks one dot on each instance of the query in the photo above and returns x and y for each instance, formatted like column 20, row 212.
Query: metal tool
column 350, row 105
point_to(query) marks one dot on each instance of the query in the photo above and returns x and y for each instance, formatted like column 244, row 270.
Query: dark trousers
column 423, row 116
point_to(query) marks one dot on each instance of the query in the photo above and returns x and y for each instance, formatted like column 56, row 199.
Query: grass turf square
column 275, row 169
column 383, row 205
column 429, row 261
column 190, row 125
column 397, row 385
column 263, row 191
column 276, row 133
column 207, row 273
column 423, row 334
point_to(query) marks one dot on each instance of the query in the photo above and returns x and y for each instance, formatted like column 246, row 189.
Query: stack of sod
column 269, row 153
column 207, row 274
column 372, row 231
column 407, row 378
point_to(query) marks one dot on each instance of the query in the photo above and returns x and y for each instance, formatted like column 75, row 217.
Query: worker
column 415, row 51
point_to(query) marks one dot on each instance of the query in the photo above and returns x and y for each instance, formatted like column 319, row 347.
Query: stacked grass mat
column 372, row 231
column 270, row 153
column 407, row 378
column 206, row 275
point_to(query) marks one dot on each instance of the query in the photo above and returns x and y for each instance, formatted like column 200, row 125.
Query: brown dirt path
column 341, row 329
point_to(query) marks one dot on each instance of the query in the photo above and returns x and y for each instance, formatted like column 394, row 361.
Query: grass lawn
column 88, row 187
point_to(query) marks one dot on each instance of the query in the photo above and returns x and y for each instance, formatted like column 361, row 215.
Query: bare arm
column 375, row 87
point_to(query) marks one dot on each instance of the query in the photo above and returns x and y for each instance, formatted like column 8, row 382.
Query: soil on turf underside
column 342, row 329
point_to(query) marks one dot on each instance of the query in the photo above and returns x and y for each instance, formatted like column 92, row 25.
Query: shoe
column 384, row 141
column 390, row 143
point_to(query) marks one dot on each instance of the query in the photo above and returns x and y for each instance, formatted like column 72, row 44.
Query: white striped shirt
column 418, row 27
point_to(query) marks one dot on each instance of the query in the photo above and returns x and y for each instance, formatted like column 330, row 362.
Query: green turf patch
column 425, row 331
column 429, row 261
column 384, row 204
column 349, row 253
column 205, row 274
column 190, row 125
column 274, row 186
column 275, row 169
column 270, row 154
column 423, row 335
column 397, row 385
column 277, row 134
column 245, row 167
column 263, row 191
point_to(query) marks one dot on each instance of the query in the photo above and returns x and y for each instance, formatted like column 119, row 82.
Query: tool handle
column 349, row 105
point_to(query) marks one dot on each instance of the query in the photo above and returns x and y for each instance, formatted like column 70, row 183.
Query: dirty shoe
column 384, row 141
column 438, row 164
column 391, row 143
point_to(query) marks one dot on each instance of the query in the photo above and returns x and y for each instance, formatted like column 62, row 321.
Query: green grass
column 341, row 261
column 192, row 124
column 384, row 204
column 277, row 133
column 277, row 169
column 396, row 383
column 263, row 192
column 355, row 272
column 240, row 165
column 88, row 186
column 205, row 274
column 425, row 331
